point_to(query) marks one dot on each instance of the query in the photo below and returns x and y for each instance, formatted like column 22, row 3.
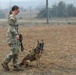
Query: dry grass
column 59, row 57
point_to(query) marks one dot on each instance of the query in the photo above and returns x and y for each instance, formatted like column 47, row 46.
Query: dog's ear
column 42, row 41
column 37, row 41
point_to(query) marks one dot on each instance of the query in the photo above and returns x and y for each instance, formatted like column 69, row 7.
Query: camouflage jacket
column 12, row 29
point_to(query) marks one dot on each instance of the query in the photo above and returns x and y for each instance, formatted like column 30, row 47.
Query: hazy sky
column 33, row 3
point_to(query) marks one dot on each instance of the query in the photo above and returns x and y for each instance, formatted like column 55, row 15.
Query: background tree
column 59, row 10
column 54, row 11
column 71, row 10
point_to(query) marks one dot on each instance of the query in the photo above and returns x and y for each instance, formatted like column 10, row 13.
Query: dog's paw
column 38, row 66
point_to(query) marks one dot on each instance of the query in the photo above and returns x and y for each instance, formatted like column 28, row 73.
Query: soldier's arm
column 11, row 22
column 13, row 29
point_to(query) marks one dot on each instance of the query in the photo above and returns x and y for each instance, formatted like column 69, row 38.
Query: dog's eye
column 43, row 44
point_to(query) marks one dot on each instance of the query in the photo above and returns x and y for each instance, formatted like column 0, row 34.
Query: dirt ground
column 59, row 56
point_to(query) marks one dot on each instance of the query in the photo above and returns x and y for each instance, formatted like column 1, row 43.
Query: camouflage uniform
column 13, row 43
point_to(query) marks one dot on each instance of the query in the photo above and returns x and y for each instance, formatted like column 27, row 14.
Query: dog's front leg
column 38, row 62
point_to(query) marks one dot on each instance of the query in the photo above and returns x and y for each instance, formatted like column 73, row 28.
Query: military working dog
column 34, row 55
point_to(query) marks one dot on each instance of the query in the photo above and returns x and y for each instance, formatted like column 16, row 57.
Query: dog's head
column 40, row 46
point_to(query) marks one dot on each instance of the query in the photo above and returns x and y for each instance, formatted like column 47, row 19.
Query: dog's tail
column 21, row 64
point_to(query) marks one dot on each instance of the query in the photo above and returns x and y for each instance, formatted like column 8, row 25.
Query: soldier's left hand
column 17, row 37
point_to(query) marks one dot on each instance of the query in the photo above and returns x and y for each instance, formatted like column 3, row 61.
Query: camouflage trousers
column 15, row 49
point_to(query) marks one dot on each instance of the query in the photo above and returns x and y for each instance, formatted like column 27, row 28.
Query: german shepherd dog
column 33, row 55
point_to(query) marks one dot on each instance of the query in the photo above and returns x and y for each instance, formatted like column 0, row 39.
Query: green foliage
column 59, row 10
column 71, row 10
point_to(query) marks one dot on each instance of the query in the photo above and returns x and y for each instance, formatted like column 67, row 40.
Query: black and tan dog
column 34, row 55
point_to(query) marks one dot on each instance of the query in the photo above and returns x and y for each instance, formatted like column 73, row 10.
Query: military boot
column 17, row 68
column 5, row 66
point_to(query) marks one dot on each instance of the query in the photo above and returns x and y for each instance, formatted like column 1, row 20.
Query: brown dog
column 34, row 55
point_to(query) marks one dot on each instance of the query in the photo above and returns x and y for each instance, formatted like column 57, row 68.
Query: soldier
column 13, row 40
